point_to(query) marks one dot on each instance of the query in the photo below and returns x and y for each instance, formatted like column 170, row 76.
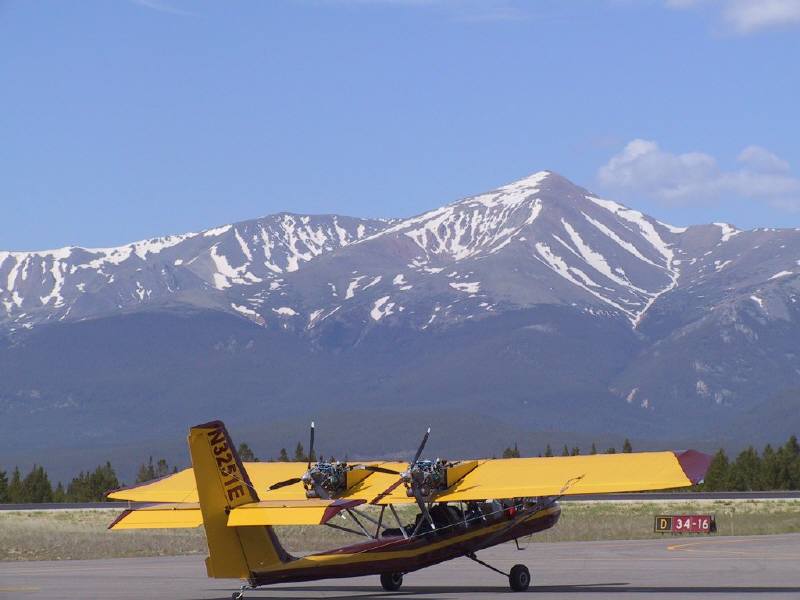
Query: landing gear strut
column 518, row 579
column 391, row 582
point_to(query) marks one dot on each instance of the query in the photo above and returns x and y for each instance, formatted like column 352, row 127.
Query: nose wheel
column 519, row 578
column 391, row 582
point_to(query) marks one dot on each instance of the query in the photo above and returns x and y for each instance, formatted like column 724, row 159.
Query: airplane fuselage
column 396, row 554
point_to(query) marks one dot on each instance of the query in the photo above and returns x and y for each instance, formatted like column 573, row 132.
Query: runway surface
column 718, row 567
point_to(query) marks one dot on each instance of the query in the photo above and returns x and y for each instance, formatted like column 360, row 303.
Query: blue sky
column 123, row 120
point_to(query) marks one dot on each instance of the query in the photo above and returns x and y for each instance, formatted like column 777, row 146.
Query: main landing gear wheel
column 391, row 582
column 519, row 578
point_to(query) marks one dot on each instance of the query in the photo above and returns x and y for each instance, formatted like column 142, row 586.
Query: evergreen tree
column 77, row 489
column 92, row 487
column 718, row 474
column 162, row 468
column 103, row 480
column 283, row 456
column 769, row 476
column 594, row 449
column 548, row 451
column 3, row 487
column 626, row 446
column 611, row 450
column 36, row 486
column 575, row 451
column 246, row 454
column 789, row 462
column 746, row 471
column 146, row 472
column 299, row 453
column 511, row 452
column 565, row 451
column 15, row 487
column 59, row 495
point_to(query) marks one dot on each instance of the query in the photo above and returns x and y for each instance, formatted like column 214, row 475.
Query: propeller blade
column 380, row 470
column 311, row 446
column 421, row 447
column 423, row 507
column 386, row 492
column 281, row 484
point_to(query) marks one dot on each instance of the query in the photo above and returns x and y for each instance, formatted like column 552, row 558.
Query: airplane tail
column 223, row 484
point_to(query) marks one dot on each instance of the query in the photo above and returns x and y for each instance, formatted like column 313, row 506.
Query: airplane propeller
column 413, row 477
column 311, row 446
column 293, row 480
column 421, row 446
column 284, row 483
column 313, row 477
column 374, row 469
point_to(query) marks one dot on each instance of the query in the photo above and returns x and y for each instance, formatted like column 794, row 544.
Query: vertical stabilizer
column 223, row 484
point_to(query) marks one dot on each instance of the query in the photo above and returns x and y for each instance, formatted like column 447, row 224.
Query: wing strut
column 399, row 523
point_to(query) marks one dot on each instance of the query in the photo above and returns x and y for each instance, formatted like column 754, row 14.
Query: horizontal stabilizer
column 160, row 516
column 277, row 512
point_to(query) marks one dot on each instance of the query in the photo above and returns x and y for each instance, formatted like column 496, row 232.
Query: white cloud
column 748, row 16
column 761, row 159
column 643, row 167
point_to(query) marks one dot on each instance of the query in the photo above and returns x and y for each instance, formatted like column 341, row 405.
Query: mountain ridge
column 537, row 303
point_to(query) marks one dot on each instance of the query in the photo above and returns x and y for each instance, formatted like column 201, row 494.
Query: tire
column 520, row 578
column 391, row 582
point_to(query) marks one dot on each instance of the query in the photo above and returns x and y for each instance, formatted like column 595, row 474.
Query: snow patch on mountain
column 382, row 308
column 472, row 287
column 728, row 231
column 476, row 225
column 781, row 274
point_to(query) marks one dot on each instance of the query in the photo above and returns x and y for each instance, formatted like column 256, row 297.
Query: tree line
column 772, row 469
column 35, row 486
column 88, row 486
column 514, row 452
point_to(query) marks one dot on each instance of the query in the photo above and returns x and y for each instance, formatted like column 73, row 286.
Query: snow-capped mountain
column 538, row 303
column 227, row 267
column 540, row 240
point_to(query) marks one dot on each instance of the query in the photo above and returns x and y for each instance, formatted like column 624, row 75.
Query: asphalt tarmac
column 672, row 567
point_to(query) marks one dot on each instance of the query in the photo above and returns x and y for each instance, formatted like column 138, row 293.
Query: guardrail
column 641, row 497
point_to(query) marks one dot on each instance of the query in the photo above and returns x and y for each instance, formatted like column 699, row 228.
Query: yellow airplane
column 464, row 506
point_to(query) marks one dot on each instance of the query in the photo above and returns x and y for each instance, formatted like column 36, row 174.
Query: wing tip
column 123, row 515
column 694, row 464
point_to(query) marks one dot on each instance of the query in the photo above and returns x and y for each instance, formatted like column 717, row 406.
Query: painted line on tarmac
column 709, row 547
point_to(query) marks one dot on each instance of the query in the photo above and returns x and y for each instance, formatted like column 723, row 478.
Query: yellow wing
column 471, row 480
column 569, row 475
column 181, row 487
